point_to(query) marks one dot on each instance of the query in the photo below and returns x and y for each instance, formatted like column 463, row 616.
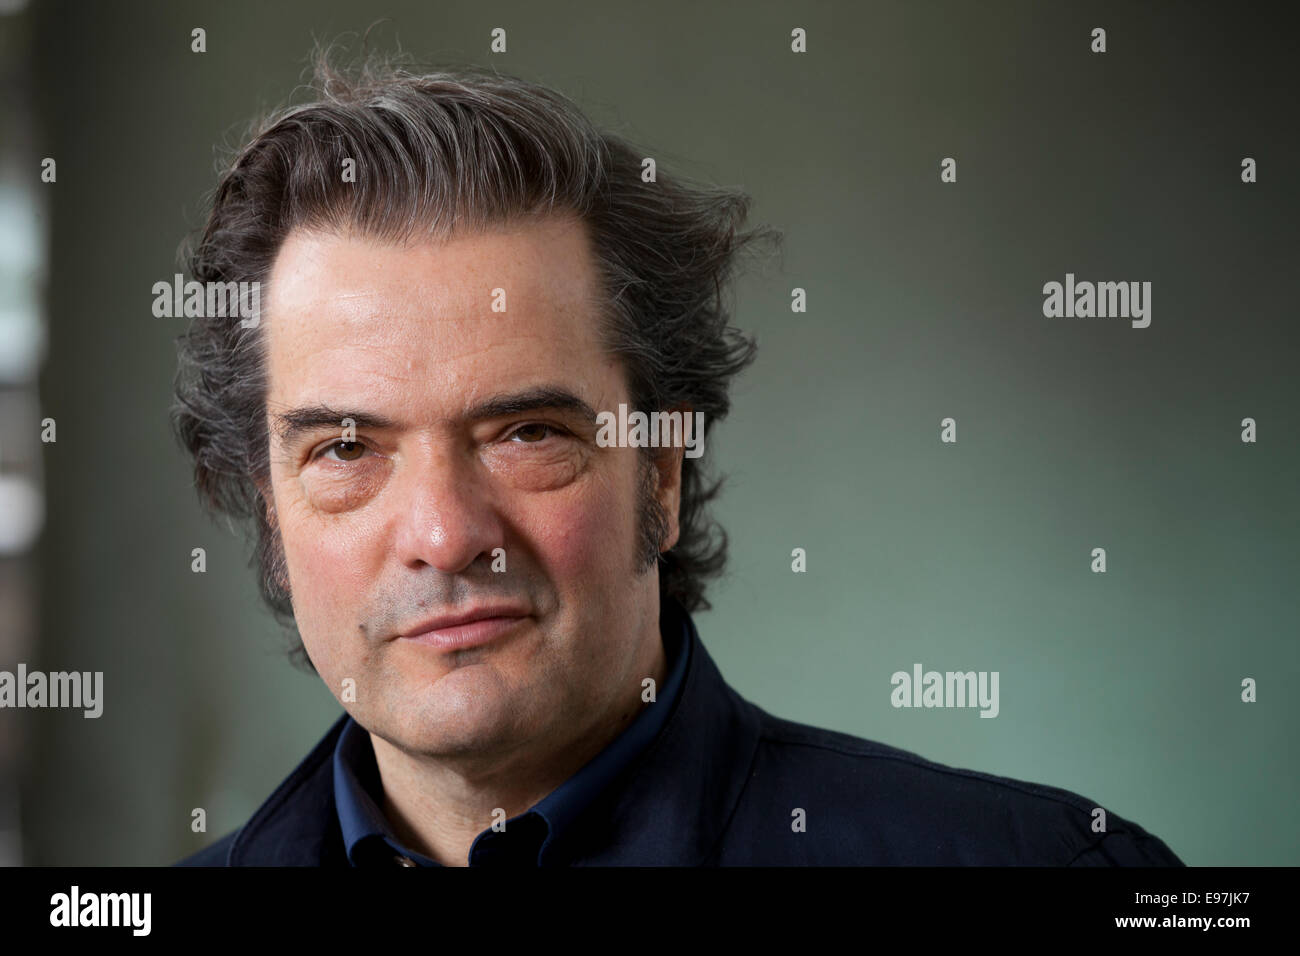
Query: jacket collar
column 669, row 807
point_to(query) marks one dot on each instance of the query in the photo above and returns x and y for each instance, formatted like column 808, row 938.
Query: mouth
column 473, row 629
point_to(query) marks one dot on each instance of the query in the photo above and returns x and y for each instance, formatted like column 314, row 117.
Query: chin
column 464, row 711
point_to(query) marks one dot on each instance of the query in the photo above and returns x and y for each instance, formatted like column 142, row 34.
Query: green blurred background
column 924, row 302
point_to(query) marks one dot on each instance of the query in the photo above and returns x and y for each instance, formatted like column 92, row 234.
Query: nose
column 448, row 518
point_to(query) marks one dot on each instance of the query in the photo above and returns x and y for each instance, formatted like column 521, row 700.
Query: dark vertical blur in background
column 22, row 347
column 924, row 302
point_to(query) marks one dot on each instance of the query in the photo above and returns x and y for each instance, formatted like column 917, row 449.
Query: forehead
column 349, row 316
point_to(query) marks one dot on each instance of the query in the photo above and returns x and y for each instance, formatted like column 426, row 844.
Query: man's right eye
column 347, row 450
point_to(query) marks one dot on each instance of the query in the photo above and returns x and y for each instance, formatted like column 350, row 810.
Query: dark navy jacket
column 720, row 786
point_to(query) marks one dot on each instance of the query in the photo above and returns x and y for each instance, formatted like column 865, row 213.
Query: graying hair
column 467, row 148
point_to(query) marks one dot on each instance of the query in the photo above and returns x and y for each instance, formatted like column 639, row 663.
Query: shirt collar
column 357, row 784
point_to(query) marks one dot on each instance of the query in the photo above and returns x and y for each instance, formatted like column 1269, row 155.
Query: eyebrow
column 295, row 422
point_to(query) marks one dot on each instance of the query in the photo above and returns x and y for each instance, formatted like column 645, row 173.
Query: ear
column 277, row 568
column 668, row 488
column 268, row 500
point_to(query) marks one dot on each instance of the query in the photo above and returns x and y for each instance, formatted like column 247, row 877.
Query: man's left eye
column 532, row 433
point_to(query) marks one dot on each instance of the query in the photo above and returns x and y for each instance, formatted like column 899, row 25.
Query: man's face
column 466, row 456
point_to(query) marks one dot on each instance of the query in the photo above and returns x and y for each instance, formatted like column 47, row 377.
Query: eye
column 533, row 433
column 347, row 450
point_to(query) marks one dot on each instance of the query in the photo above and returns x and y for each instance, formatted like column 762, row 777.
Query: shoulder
column 863, row 802
column 214, row 854
column 297, row 825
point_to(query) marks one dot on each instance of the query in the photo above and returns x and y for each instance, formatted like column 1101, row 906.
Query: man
column 462, row 279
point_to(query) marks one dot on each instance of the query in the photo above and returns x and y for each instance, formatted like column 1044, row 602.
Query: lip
column 467, row 629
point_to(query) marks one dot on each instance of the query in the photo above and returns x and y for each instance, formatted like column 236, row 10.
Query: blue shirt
column 369, row 838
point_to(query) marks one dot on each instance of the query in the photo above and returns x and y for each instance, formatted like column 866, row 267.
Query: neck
column 438, row 807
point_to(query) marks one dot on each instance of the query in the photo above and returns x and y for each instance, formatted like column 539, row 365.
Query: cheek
column 329, row 577
column 587, row 535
